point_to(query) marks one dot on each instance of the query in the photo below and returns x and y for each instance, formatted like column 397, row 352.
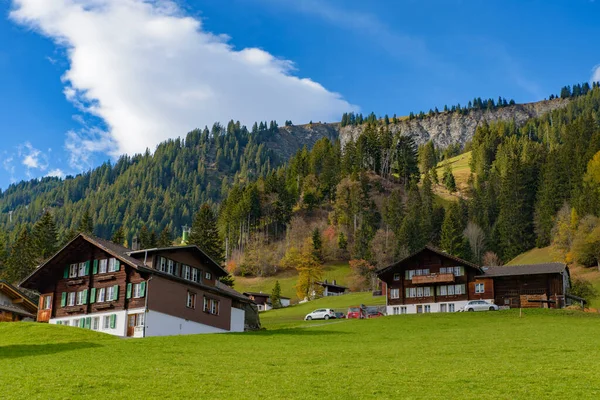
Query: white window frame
column 137, row 290
column 427, row 291
column 162, row 264
column 207, row 275
column 195, row 274
column 214, row 307
column 81, row 269
column 71, row 297
column 458, row 290
column 112, row 264
column 396, row 277
column 419, row 292
column 450, row 290
column 451, row 307
column 80, row 298
column 95, row 323
column 106, row 322
column 479, row 288
column 170, row 267
column 101, row 295
column 403, row 310
column 413, row 292
column 139, row 319
column 110, row 293
column 185, row 272
column 66, row 323
column 191, row 300
column 396, row 310
column 443, row 290
column 73, row 270
column 427, row 308
column 47, row 302
column 103, row 266
column 394, row 293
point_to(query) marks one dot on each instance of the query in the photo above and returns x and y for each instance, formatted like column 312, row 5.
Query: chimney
column 135, row 243
column 186, row 234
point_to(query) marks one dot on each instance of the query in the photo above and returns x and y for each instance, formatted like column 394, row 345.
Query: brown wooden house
column 263, row 300
column 93, row 283
column 431, row 280
column 15, row 305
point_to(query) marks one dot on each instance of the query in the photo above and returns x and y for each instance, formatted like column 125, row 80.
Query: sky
column 84, row 81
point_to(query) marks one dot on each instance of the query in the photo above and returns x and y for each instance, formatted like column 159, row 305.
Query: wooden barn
column 15, row 305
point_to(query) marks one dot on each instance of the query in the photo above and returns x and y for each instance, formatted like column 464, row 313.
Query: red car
column 356, row 312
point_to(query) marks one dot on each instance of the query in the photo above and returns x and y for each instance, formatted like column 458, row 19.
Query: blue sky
column 83, row 81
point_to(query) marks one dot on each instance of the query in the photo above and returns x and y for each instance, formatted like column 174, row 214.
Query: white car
column 321, row 313
column 480, row 305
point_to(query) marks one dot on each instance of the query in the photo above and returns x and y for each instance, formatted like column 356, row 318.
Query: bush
column 583, row 288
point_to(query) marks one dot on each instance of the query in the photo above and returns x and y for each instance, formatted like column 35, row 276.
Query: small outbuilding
column 15, row 305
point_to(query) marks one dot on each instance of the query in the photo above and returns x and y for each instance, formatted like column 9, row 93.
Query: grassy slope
column 461, row 171
column 534, row 256
column 287, row 280
column 436, row 356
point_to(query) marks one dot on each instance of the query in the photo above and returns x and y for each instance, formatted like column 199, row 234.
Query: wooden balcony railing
column 432, row 278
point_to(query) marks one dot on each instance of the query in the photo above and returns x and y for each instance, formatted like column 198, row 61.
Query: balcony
column 432, row 278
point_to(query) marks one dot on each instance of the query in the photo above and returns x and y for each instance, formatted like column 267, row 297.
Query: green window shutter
column 88, row 322
column 407, row 292
column 63, row 299
column 129, row 290
column 58, row 322
column 82, row 323
column 66, row 273
column 438, row 291
column 95, row 267
column 87, row 267
column 143, row 289
column 116, row 293
column 117, row 265
column 92, row 295
column 113, row 321
column 85, row 296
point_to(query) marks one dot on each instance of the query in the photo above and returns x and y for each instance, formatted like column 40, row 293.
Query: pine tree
column 45, row 237
column 452, row 240
column 448, row 178
column 205, row 234
column 317, row 243
column 165, row 240
column 119, row 236
column 276, row 295
column 144, row 238
column 342, row 241
column 406, row 158
column 22, row 259
column 3, row 252
column 86, row 225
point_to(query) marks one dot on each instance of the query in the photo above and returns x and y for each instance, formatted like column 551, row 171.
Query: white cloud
column 32, row 158
column 81, row 145
column 595, row 74
column 150, row 73
column 56, row 173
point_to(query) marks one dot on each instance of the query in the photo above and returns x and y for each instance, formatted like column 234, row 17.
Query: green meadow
column 541, row 354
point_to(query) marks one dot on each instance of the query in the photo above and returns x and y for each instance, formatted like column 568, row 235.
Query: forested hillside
column 370, row 201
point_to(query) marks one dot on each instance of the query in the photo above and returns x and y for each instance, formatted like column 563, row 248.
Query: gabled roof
column 525, row 269
column 334, row 285
column 179, row 248
column 14, row 293
column 263, row 295
column 435, row 250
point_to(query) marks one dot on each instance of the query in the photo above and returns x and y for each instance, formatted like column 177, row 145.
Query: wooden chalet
column 332, row 288
column 263, row 300
column 15, row 305
column 93, row 283
column 432, row 280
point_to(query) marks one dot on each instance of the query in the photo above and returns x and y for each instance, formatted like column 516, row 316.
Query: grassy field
column 542, row 355
column 461, row 171
column 287, row 280
column 534, row 256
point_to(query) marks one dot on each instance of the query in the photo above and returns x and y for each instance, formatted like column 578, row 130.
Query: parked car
column 355, row 312
column 373, row 312
column 321, row 313
column 339, row 315
column 479, row 305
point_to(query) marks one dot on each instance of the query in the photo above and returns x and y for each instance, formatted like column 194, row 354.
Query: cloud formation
column 595, row 74
column 32, row 158
column 150, row 72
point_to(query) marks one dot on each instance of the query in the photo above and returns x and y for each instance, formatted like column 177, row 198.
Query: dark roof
column 16, row 310
column 527, row 269
column 263, row 295
column 17, row 293
column 179, row 248
column 433, row 249
column 331, row 285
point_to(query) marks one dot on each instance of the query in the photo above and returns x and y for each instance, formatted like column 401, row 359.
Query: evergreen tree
column 205, row 234
column 22, row 259
column 406, row 159
column 119, row 236
column 276, row 296
column 342, row 241
column 317, row 243
column 144, row 237
column 227, row 280
column 448, row 179
column 45, row 237
column 452, row 240
column 165, row 239
column 86, row 225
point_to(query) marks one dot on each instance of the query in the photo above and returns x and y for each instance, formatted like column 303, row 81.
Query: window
column 171, row 267
column 162, row 264
column 82, row 269
column 442, row 307
column 110, row 293
column 479, row 288
column 81, row 297
column 208, row 276
column 191, row 300
column 459, row 289
column 450, row 290
column 412, row 292
column 103, row 266
column 95, row 323
column 396, row 277
column 427, row 308
column 100, row 296
column 403, row 310
column 47, row 302
column 211, row 306
column 106, row 322
column 138, row 290
column 112, row 265
column 73, row 271
column 394, row 293
column 443, row 290
column 66, row 323
column 451, row 307
column 71, row 299
column 75, row 322
column 186, row 272
column 419, row 292
column 139, row 321
column 459, row 271
column 194, row 274
column 427, row 291
column 396, row 310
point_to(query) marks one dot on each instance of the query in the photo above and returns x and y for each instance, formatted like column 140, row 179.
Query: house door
column 131, row 324
column 419, row 309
